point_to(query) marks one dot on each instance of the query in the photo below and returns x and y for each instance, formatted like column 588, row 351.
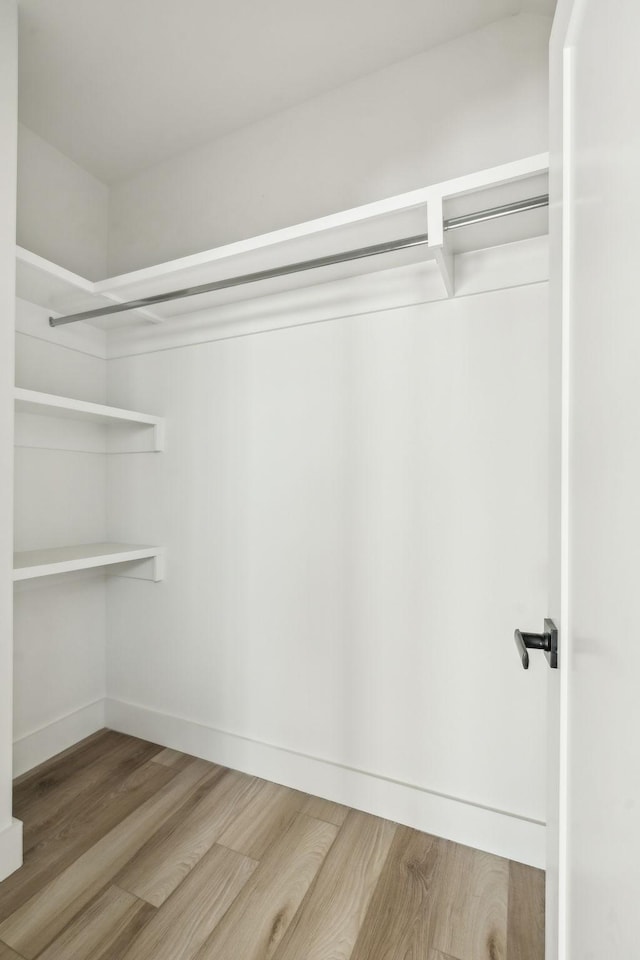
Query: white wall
column 60, row 498
column 473, row 103
column 355, row 517
column 10, row 834
column 62, row 209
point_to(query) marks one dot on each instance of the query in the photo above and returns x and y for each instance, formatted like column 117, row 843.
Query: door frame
column 561, row 79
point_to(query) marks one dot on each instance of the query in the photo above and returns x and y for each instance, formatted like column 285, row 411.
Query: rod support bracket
column 438, row 243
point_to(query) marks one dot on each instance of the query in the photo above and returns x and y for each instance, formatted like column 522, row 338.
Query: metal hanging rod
column 421, row 239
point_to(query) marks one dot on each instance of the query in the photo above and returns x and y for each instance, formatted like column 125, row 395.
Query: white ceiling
column 118, row 85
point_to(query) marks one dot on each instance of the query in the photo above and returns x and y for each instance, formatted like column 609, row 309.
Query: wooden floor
column 134, row 852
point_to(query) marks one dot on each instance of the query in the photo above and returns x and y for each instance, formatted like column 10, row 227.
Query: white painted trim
column 498, row 832
column 563, row 37
column 39, row 745
column 565, row 645
column 568, row 163
column 10, row 848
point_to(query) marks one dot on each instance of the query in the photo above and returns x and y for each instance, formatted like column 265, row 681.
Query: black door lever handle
column 547, row 641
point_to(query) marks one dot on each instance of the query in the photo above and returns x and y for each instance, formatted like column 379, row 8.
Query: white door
column 594, row 700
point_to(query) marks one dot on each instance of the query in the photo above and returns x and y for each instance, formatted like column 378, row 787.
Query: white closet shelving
column 426, row 210
column 42, row 563
column 49, row 404
column 47, row 284
column 28, row 565
column 408, row 214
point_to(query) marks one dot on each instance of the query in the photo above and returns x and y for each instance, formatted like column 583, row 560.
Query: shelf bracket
column 152, row 569
column 158, row 437
column 146, row 438
column 438, row 243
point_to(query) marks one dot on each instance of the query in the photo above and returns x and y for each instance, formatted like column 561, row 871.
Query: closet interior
column 247, row 449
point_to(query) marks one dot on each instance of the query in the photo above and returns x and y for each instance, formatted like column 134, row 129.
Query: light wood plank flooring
column 135, row 852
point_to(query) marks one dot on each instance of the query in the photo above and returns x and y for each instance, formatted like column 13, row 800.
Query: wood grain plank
column 470, row 920
column 166, row 859
column 325, row 810
column 60, row 805
column 189, row 916
column 525, row 925
column 328, row 922
column 262, row 820
column 77, row 753
column 254, row 925
column 6, row 953
column 37, row 788
column 96, row 929
column 116, row 949
column 173, row 758
column 118, row 807
column 41, row 783
column 84, row 823
column 399, row 920
column 34, row 925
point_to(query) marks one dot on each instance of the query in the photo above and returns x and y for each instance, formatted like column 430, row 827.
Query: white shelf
column 42, row 563
column 61, row 291
column 397, row 217
column 49, row 404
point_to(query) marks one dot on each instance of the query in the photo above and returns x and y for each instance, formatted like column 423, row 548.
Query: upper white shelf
column 61, row 291
column 49, row 404
column 43, row 563
column 408, row 214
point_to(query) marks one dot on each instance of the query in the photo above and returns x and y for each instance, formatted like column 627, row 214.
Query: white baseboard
column 10, row 849
column 42, row 744
column 503, row 834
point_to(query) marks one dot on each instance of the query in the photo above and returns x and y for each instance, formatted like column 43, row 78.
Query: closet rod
column 421, row 239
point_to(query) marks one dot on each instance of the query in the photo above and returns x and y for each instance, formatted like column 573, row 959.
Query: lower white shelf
column 43, row 563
